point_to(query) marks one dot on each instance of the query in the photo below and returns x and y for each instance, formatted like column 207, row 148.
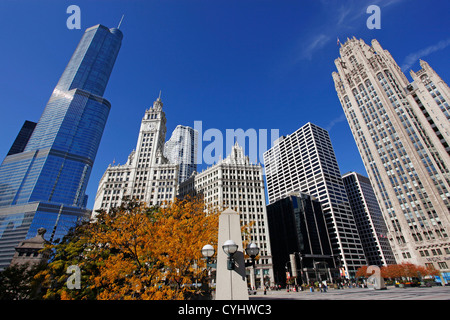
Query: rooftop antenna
column 118, row 27
column 159, row 95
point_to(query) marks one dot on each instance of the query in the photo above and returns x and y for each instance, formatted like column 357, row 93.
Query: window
column 429, row 266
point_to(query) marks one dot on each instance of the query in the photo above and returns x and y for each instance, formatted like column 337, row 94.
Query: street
column 392, row 293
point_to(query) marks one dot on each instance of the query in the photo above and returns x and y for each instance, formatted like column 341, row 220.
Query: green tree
column 17, row 282
column 71, row 250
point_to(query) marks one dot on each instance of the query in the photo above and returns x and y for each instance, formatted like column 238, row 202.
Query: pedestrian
column 265, row 290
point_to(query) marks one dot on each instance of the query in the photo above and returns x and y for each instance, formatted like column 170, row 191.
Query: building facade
column 305, row 162
column 297, row 226
column 147, row 176
column 44, row 186
column 237, row 184
column 30, row 251
column 369, row 219
column 22, row 138
column 402, row 131
column 181, row 149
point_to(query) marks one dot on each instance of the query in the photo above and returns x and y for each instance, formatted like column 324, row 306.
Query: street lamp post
column 339, row 265
column 230, row 247
column 301, row 267
column 315, row 269
column 252, row 251
column 208, row 252
column 288, row 274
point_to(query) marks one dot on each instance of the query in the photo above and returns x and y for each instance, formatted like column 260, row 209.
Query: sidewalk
column 392, row 293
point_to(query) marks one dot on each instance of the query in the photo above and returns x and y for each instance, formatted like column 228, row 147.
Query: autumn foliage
column 136, row 252
column 400, row 271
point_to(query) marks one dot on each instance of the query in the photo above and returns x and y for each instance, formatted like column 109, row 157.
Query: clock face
column 149, row 126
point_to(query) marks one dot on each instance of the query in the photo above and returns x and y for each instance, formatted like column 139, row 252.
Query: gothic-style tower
column 147, row 175
column 402, row 132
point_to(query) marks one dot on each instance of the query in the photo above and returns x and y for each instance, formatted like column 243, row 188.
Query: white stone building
column 402, row 131
column 147, row 175
column 237, row 184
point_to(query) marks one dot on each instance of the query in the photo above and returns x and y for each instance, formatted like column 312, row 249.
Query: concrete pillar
column 230, row 284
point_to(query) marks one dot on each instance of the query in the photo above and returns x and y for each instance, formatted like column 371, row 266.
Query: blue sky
column 231, row 64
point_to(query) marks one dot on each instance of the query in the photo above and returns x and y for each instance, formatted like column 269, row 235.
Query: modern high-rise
column 297, row 227
column 237, row 184
column 181, row 149
column 402, row 132
column 369, row 219
column 22, row 138
column 305, row 162
column 45, row 184
column 147, row 176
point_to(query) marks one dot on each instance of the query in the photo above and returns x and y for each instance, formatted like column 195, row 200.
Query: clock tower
column 147, row 175
column 152, row 133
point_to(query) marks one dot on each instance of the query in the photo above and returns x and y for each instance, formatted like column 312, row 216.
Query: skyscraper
column 22, row 138
column 44, row 186
column 181, row 149
column 297, row 226
column 236, row 183
column 147, row 176
column 402, row 131
column 369, row 220
column 305, row 162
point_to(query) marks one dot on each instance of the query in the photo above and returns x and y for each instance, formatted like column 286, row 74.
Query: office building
column 22, row 138
column 45, row 184
column 297, row 226
column 402, row 132
column 147, row 175
column 305, row 162
column 369, row 220
column 181, row 149
column 237, row 184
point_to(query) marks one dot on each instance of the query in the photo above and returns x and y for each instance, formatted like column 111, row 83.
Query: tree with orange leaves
column 407, row 270
column 139, row 252
column 392, row 271
column 361, row 272
column 400, row 271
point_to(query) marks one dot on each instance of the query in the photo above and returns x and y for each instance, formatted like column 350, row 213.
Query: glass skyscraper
column 22, row 138
column 44, row 186
column 297, row 226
